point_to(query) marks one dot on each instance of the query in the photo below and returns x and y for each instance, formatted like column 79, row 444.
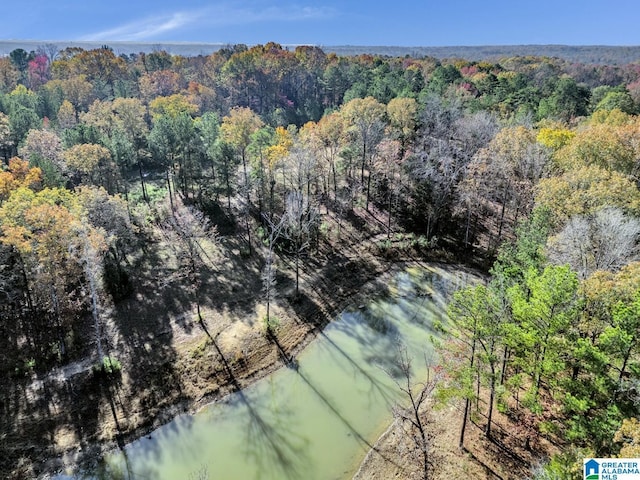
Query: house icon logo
column 591, row 470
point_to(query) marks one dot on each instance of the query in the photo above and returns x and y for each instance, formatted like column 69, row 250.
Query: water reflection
column 274, row 444
column 315, row 421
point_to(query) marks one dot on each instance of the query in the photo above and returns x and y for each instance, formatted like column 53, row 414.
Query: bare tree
column 412, row 419
column 93, row 247
column 606, row 240
column 269, row 270
column 50, row 50
column 192, row 226
column 389, row 156
column 446, row 143
column 301, row 219
column 500, row 178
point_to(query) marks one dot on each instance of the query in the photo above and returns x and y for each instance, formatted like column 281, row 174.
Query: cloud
column 234, row 15
column 214, row 16
column 146, row 28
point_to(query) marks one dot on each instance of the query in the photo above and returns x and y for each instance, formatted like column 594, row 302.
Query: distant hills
column 593, row 54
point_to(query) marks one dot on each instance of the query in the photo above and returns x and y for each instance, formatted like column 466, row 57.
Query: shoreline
column 90, row 456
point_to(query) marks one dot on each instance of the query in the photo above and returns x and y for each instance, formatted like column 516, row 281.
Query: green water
column 316, row 421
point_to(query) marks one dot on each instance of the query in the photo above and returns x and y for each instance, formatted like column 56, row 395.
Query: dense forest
column 526, row 168
column 585, row 54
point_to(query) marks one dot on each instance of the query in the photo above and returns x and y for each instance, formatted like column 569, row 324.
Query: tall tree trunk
column 492, row 393
column 465, row 415
column 170, row 193
column 90, row 273
column 25, row 279
column 144, row 189
column 625, row 361
column 246, row 175
column 389, row 215
column 335, row 182
column 503, row 370
column 364, row 160
column 502, row 212
column 268, row 288
column 368, row 188
column 467, row 401
column 248, row 228
column 56, row 313
column 213, row 177
column 227, row 182
column 424, row 447
column 297, row 272
column 539, row 367
column 272, row 186
column 261, row 195
column 467, row 228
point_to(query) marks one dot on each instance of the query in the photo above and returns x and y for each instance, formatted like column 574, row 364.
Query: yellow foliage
column 100, row 115
column 237, row 127
column 21, row 90
column 86, row 157
column 125, row 114
column 284, row 138
column 326, row 137
column 331, row 129
column 555, row 138
column 479, row 77
column 614, row 117
column 604, row 145
column 275, row 153
column 508, row 75
column 18, row 175
column 76, row 89
column 629, row 435
column 512, row 143
column 308, row 131
column 585, row 190
column 611, row 287
column 484, row 65
column 363, row 111
column 172, row 106
column 402, row 114
column 40, row 222
column 66, row 115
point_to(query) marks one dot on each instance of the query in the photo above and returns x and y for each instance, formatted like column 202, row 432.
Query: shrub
column 270, row 325
column 110, row 365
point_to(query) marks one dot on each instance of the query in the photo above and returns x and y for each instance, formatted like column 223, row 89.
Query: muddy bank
column 208, row 360
column 506, row 456
column 174, row 360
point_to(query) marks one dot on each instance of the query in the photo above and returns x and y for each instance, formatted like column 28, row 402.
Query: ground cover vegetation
column 146, row 199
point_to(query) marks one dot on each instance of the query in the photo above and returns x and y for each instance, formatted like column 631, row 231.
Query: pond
column 316, row 420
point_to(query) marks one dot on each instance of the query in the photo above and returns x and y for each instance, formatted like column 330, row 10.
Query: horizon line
column 312, row 44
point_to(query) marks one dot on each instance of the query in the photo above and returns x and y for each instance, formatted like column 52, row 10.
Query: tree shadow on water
column 378, row 350
column 142, row 459
column 271, row 442
column 362, row 440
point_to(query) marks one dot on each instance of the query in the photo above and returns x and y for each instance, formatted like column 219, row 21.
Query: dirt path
column 170, row 359
column 174, row 360
column 58, row 375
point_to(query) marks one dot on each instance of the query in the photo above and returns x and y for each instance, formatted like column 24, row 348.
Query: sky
column 327, row 22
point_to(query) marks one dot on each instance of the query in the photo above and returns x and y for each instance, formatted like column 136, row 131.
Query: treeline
column 553, row 336
column 584, row 54
column 97, row 149
column 292, row 87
